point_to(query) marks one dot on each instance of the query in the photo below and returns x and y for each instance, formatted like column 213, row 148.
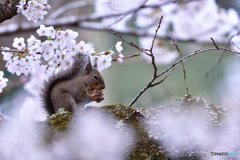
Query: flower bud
column 48, row 7
column 120, row 55
column 120, row 60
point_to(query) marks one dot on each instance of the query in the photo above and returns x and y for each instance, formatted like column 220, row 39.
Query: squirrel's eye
column 95, row 77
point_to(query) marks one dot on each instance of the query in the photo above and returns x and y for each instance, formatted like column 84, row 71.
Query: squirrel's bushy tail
column 78, row 66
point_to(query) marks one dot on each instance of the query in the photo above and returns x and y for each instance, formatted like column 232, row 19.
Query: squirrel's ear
column 84, row 63
column 88, row 67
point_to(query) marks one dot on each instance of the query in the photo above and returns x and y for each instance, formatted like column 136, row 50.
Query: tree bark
column 8, row 9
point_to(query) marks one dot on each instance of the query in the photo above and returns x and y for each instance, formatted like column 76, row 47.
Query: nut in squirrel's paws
column 96, row 94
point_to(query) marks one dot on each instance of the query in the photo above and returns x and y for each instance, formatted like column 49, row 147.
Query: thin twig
column 151, row 84
column 155, row 36
column 5, row 50
column 151, row 49
column 214, row 43
column 221, row 56
column 236, row 45
column 200, row 47
column 157, row 83
column 131, row 43
column 195, row 53
column 141, row 92
column 131, row 56
column 184, row 71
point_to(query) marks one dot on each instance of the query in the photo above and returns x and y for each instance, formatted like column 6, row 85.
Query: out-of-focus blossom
column 193, row 20
column 32, row 109
column 116, row 6
column 163, row 55
column 106, row 7
column 33, row 9
column 3, row 81
column 200, row 20
column 183, row 129
column 145, row 17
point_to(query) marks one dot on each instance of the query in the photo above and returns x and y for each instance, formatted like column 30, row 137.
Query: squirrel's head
column 95, row 81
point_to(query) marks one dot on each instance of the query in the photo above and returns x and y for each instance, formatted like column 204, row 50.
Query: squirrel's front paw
column 97, row 94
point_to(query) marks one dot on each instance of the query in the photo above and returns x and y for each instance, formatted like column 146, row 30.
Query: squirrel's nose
column 103, row 87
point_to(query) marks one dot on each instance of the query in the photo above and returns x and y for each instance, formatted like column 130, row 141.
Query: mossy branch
column 151, row 139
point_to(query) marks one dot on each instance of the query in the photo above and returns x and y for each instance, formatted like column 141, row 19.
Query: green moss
column 145, row 148
column 60, row 121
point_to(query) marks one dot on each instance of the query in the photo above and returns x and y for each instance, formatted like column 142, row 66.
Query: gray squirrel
column 76, row 86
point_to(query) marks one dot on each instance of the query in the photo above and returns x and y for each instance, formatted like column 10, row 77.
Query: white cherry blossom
column 46, row 55
column 67, row 62
column 80, row 46
column 58, row 52
column 118, row 46
column 104, row 61
column 50, row 32
column 33, row 9
column 19, row 43
column 42, row 30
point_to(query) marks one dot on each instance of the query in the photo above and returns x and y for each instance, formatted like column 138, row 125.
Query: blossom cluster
column 3, row 81
column 56, row 53
column 33, row 9
column 205, row 14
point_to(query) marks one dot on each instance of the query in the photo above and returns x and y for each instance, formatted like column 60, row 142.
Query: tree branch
column 67, row 7
column 8, row 9
column 172, row 67
column 157, row 83
column 76, row 20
